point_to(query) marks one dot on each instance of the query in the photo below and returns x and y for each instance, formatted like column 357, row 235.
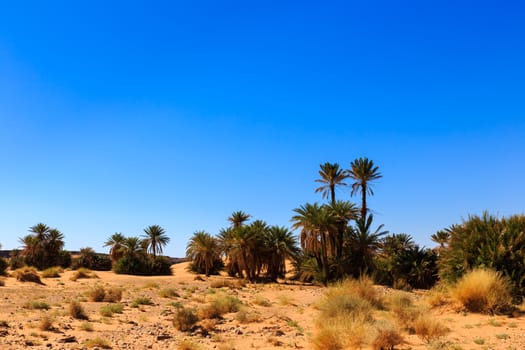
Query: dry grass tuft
column 404, row 310
column 52, row 272
column 438, row 296
column 141, row 301
column 110, row 295
column 77, row 311
column 83, row 273
column 27, row 274
column 87, row 326
column 97, row 342
column 36, row 305
column 109, row 310
column 483, row 290
column 168, row 293
column 387, row 338
column 429, row 329
column 262, row 301
column 246, row 316
column 220, row 305
column 346, row 316
column 184, row 319
column 46, row 323
column 187, row 345
column 229, row 283
column 2, row 282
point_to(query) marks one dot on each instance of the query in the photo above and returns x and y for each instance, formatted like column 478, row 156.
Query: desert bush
column 46, row 323
column 219, row 306
column 184, row 319
column 345, row 298
column 229, row 283
column 3, row 266
column 52, row 272
column 109, row 310
column 168, row 293
column 77, row 311
column 429, row 329
column 483, row 290
column 87, row 326
column 36, row 305
column 27, row 274
column 342, row 332
column 187, row 344
column 262, row 301
column 97, row 294
column 141, row 301
column 2, row 282
column 16, row 260
column 113, row 295
column 247, row 316
column 439, row 295
column 404, row 310
column 387, row 338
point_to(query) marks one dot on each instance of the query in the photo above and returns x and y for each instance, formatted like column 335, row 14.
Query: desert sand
column 275, row 316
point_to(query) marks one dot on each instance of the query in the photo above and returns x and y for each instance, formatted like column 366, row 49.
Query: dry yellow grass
column 483, row 290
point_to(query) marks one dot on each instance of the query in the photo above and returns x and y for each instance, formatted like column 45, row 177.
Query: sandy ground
column 286, row 320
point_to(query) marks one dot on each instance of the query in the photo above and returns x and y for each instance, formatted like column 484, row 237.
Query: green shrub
column 143, row 265
column 485, row 242
column 141, row 301
column 109, row 310
column 3, row 266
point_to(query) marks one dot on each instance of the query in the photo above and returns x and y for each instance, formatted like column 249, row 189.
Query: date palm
column 331, row 175
column 238, row 218
column 364, row 244
column 363, row 172
column 156, row 239
column 115, row 242
column 281, row 244
column 203, row 250
column 317, row 224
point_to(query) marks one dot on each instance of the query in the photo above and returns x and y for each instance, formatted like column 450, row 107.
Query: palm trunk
column 363, row 200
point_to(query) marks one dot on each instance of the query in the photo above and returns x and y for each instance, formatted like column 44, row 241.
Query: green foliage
column 402, row 263
column 43, row 248
column 142, row 265
column 3, row 266
column 16, row 260
column 487, row 242
column 91, row 260
column 204, row 252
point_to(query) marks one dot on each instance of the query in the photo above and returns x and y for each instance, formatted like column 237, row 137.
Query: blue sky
column 177, row 113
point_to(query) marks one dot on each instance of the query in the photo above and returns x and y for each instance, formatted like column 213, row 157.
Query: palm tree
column 116, row 242
column 331, row 176
column 317, row 224
column 132, row 247
column 343, row 212
column 156, row 239
column 203, row 250
column 363, row 172
column 40, row 231
column 364, row 245
column 281, row 245
column 441, row 237
column 238, row 218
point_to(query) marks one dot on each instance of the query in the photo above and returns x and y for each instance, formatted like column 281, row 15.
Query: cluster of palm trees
column 43, row 247
column 137, row 255
column 326, row 234
column 253, row 251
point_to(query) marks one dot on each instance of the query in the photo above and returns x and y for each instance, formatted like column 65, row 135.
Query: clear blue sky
column 177, row 113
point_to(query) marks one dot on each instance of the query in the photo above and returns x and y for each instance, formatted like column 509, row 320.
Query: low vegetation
column 77, row 311
column 483, row 290
column 27, row 274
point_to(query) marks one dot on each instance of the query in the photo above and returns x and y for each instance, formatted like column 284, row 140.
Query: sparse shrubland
column 52, row 272
column 83, row 273
column 184, row 319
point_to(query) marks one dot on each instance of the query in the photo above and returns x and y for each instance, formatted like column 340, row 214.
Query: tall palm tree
column 331, row 176
column 156, row 239
column 364, row 245
column 116, row 243
column 238, row 218
column 441, row 237
column 281, row 245
column 203, row 250
column 363, row 172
